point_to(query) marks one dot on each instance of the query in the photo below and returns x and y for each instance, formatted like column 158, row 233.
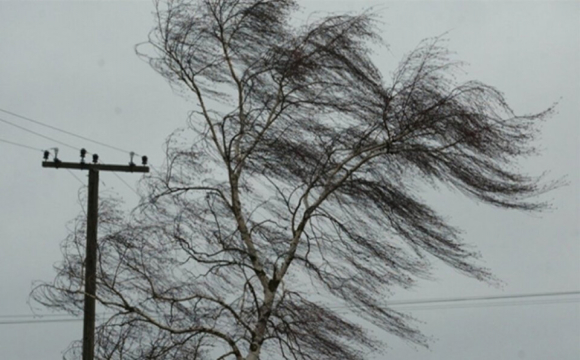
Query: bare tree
column 294, row 189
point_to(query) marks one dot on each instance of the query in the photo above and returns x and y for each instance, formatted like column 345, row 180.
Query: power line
column 57, row 141
column 76, row 177
column 36, row 149
column 126, row 183
column 477, row 298
column 462, row 306
column 64, row 131
column 449, row 303
column 70, row 172
column 40, row 316
column 15, row 316
column 20, row 145
column 43, row 136
column 37, row 134
column 20, row 322
column 456, row 302
column 488, row 305
column 63, row 318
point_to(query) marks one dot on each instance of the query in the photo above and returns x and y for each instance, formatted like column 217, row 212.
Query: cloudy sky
column 72, row 65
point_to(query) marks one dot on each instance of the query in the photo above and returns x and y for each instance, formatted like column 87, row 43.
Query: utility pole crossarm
column 97, row 167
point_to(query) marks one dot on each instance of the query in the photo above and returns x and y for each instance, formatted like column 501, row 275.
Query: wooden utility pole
column 91, row 245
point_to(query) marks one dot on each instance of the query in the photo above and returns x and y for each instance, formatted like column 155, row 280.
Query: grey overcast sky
column 73, row 66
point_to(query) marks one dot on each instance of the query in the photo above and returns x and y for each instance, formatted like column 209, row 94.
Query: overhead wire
column 63, row 131
column 60, row 142
column 35, row 316
column 477, row 298
column 76, row 177
column 70, row 172
column 60, row 318
column 37, row 134
column 19, row 322
column 40, row 150
column 438, row 302
column 448, row 303
column 488, row 305
column 126, row 183
column 51, row 315
column 20, row 145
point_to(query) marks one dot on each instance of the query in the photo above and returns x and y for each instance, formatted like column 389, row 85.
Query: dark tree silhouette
column 293, row 189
